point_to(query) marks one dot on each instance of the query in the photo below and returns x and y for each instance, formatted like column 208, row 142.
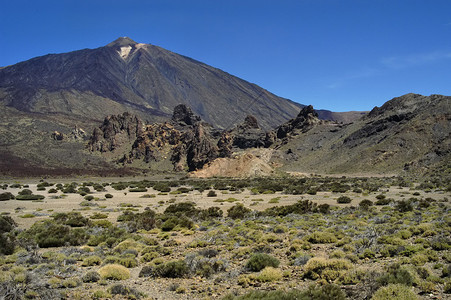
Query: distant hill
column 410, row 133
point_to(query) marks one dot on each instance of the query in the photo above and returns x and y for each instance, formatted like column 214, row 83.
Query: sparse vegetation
column 400, row 249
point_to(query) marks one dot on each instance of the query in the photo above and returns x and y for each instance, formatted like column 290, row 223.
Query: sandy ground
column 112, row 206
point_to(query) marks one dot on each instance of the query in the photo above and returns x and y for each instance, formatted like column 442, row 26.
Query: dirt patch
column 247, row 164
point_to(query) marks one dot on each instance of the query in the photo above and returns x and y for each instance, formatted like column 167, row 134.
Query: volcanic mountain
column 142, row 79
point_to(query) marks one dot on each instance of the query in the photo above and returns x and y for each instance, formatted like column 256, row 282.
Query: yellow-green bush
column 329, row 269
column 114, row 272
column 100, row 294
column 318, row 237
column 127, row 245
column 394, row 292
column 269, row 274
column 91, row 261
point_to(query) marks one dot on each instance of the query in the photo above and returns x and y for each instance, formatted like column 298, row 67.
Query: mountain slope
column 410, row 133
column 143, row 79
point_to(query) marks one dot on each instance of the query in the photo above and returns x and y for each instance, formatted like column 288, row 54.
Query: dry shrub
column 329, row 269
column 114, row 272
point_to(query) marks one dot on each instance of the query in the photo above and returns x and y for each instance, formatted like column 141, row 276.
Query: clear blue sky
column 334, row 54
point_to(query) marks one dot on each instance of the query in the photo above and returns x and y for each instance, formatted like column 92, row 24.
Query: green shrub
column 259, row 261
column 119, row 186
column 324, row 208
column 97, row 216
column 7, row 238
column 383, row 201
column 130, row 293
column 71, row 282
column 6, row 196
column 314, row 292
column 323, row 292
column 301, row 207
column 148, row 257
column 93, row 260
column 171, row 269
column 394, row 292
column 174, row 221
column 447, row 287
column 365, row 204
column 318, row 237
column 440, row 244
column 162, row 187
column 403, row 206
column 344, row 199
column 27, row 216
column 91, row 276
column 397, row 274
column 137, row 190
column 211, row 213
column 72, row 219
column 30, row 197
column 328, row 269
column 187, row 209
column 128, row 262
column 48, row 233
column 145, row 220
column 108, row 196
column 25, row 192
column 114, row 272
column 238, row 211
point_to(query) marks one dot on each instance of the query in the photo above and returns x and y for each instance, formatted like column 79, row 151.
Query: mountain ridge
column 146, row 79
column 186, row 114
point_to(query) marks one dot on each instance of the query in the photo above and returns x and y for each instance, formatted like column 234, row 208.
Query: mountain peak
column 122, row 42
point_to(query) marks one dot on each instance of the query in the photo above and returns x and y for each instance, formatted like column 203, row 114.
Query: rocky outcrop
column 249, row 134
column 150, row 144
column 78, row 133
column 57, row 136
column 244, row 136
column 186, row 141
column 115, row 131
column 200, row 149
column 305, row 120
column 183, row 115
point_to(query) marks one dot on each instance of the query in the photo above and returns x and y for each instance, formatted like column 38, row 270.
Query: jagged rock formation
column 186, row 141
column 116, row 130
column 183, row 115
column 200, row 149
column 305, row 120
column 151, row 144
